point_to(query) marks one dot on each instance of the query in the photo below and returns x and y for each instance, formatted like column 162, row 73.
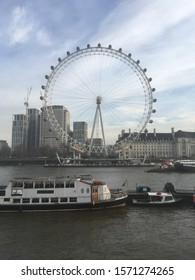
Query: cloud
column 25, row 28
column 161, row 34
column 133, row 23
column 43, row 38
column 21, row 25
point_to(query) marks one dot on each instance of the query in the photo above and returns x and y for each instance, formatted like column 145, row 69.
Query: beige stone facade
column 155, row 145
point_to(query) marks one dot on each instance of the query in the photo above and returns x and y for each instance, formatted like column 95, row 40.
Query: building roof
column 184, row 134
column 154, row 136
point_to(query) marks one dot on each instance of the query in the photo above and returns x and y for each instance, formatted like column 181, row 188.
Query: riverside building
column 19, row 131
column 48, row 136
column 80, row 131
column 180, row 144
column 33, row 128
column 3, row 144
column 25, row 130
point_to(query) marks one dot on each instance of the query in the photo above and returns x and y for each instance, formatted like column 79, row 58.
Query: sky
column 160, row 33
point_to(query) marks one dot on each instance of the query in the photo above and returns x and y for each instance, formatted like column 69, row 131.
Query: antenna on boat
column 58, row 159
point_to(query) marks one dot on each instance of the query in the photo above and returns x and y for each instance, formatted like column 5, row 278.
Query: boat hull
column 150, row 204
column 121, row 202
column 193, row 199
column 185, row 169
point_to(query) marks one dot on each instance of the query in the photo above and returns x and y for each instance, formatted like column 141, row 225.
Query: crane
column 26, row 104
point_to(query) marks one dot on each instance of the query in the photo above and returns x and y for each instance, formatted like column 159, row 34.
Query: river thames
column 128, row 233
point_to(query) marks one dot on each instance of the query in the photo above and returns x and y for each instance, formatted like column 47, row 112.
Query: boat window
column 156, row 198
column 59, row 184
column 45, row 191
column 26, row 200
column 168, row 198
column 39, row 185
column 70, row 184
column 6, row 199
column 16, row 200
column 20, row 184
column 54, row 199
column 35, row 200
column 95, row 190
column 49, row 185
column 44, row 200
column 28, row 185
column 17, row 184
column 2, row 193
column 73, row 199
column 16, row 192
column 63, row 199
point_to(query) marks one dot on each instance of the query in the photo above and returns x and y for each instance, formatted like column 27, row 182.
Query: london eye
column 105, row 88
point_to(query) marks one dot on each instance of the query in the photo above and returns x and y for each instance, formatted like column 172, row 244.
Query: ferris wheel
column 105, row 89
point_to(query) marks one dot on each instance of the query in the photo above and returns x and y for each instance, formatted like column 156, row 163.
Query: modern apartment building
column 33, row 128
column 3, row 144
column 19, row 131
column 49, row 136
column 80, row 131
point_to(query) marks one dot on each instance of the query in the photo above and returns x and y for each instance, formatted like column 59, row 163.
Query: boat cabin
column 156, row 198
column 54, row 190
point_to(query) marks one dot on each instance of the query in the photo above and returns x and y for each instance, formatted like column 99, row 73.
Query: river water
column 128, row 233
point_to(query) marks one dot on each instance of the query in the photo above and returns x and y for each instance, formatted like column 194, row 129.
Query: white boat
column 58, row 194
column 186, row 162
column 157, row 198
column 185, row 165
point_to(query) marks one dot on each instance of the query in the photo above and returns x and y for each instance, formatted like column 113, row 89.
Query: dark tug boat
column 183, row 166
